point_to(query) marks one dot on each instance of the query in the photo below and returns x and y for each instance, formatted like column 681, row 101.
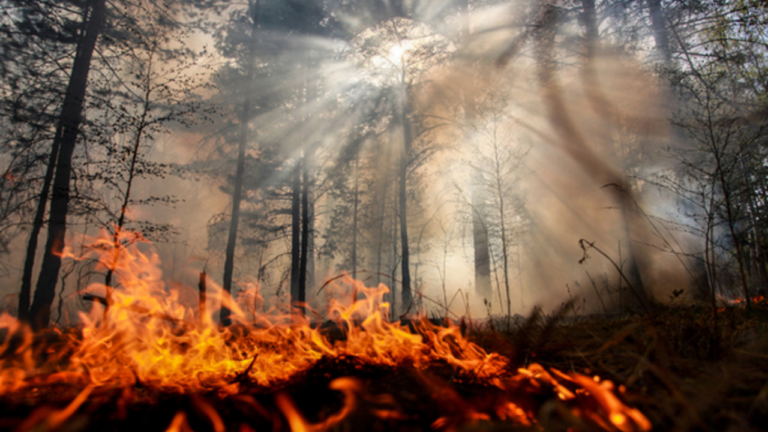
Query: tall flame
column 149, row 337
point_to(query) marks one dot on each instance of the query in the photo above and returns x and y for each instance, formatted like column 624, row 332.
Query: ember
column 149, row 348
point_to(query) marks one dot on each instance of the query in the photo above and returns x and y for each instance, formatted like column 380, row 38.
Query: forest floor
column 680, row 370
column 673, row 366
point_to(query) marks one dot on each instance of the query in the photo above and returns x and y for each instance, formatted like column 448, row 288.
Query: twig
column 591, row 245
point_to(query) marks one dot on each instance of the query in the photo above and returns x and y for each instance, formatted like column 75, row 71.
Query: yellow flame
column 150, row 336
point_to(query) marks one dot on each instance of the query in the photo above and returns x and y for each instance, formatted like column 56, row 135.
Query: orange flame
column 149, row 336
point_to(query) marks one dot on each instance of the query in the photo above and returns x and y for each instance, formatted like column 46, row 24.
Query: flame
column 755, row 300
column 150, row 337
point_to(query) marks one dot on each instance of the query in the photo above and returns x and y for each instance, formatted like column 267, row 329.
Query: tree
column 65, row 139
column 403, row 52
column 497, row 168
column 158, row 92
column 34, row 39
column 254, row 10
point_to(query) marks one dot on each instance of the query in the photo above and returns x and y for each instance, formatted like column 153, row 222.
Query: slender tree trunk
column 732, row 229
column 502, row 218
column 354, row 221
column 520, row 272
column 310, row 238
column 660, row 33
column 406, row 297
column 480, row 242
column 127, row 197
column 37, row 223
column 395, row 216
column 380, row 241
column 589, row 19
column 201, row 299
column 237, row 195
column 305, row 217
column 759, row 260
column 483, row 287
column 229, row 261
column 296, row 231
column 712, row 278
column 69, row 123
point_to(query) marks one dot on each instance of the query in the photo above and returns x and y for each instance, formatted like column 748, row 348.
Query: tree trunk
column 127, row 197
column 201, row 299
column 380, row 241
column 305, row 217
column 310, row 240
column 393, row 295
column 483, row 286
column 295, row 231
column 237, row 194
column 660, row 33
column 502, row 218
column 354, row 221
column 407, row 296
column 759, row 259
column 69, row 123
column 731, row 220
column 480, row 241
column 37, row 224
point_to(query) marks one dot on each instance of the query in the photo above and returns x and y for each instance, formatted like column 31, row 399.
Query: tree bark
column 237, row 194
column 69, row 123
column 295, row 230
column 482, row 256
column 660, row 33
column 37, row 223
column 381, row 220
column 305, row 218
column 393, row 295
column 201, row 299
column 127, row 197
column 407, row 295
column 354, row 220
column 497, row 174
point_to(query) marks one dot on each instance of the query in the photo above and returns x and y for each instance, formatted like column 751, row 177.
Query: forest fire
column 150, row 344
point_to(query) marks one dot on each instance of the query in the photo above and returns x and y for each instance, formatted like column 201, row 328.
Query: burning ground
column 153, row 363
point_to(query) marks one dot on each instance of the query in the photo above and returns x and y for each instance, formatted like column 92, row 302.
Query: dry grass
column 680, row 374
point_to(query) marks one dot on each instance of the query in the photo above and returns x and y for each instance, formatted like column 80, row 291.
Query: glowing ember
column 150, row 339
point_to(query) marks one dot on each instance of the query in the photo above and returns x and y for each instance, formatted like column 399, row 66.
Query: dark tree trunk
column 237, row 194
column 354, row 222
column 201, row 288
column 483, row 286
column 295, row 231
column 589, row 19
column 305, row 217
column 229, row 261
column 127, row 197
column 69, row 123
column 660, row 33
column 382, row 220
column 310, row 239
column 37, row 225
column 393, row 278
column 407, row 296
column 482, row 256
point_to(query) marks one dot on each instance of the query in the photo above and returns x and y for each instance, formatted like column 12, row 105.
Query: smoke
column 573, row 131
